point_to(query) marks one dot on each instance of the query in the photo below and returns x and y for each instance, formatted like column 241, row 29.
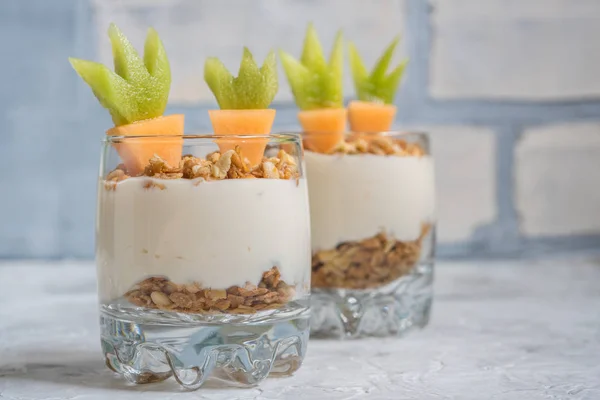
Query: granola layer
column 161, row 293
column 369, row 263
column 377, row 145
column 216, row 166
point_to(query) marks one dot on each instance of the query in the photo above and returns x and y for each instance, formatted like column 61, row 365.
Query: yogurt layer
column 353, row 197
column 221, row 233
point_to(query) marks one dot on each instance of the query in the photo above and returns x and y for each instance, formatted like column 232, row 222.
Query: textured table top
column 500, row 330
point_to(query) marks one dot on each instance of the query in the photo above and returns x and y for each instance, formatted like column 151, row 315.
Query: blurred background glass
column 508, row 89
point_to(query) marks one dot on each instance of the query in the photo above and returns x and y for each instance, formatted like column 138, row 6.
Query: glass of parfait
column 203, row 259
column 371, row 196
column 202, row 241
column 372, row 203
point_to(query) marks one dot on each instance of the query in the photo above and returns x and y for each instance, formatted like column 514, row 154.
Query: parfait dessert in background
column 203, row 241
column 371, row 202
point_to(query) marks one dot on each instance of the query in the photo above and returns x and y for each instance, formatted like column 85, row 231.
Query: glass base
column 147, row 346
column 390, row 310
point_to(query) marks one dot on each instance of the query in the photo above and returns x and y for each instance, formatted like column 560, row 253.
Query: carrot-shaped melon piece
column 243, row 101
column 136, row 151
column 317, row 88
column 375, row 111
column 136, row 95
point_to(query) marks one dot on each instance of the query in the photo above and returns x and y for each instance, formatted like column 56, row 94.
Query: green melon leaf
column 137, row 89
column 378, row 86
column 253, row 88
column 316, row 83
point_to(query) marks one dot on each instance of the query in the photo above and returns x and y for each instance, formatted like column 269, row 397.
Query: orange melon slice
column 243, row 122
column 323, row 128
column 135, row 152
column 370, row 117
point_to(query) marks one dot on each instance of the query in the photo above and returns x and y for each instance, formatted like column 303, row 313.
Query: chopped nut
column 234, row 300
column 138, row 298
column 383, row 143
column 221, row 167
column 156, row 166
column 117, row 175
column 345, row 148
column 181, row 300
column 269, row 170
column 213, row 157
column 193, row 288
column 215, row 294
column 152, row 284
column 371, row 243
column 286, row 158
column 170, row 287
column 201, row 170
column 238, row 160
column 223, row 304
column 159, row 168
column 194, row 167
column 160, row 299
column 326, row 256
column 361, row 146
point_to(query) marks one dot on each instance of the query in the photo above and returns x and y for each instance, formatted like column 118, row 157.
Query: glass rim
column 279, row 137
column 382, row 133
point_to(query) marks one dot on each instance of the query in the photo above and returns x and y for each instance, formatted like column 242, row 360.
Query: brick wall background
column 509, row 90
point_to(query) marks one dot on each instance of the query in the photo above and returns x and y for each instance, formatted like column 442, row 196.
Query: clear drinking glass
column 203, row 262
column 372, row 204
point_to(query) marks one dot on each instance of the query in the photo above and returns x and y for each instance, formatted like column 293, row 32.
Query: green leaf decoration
column 378, row 86
column 137, row 89
column 315, row 82
column 253, row 88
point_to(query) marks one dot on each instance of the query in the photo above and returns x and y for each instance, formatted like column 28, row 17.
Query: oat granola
column 161, row 293
column 216, row 166
column 378, row 145
column 372, row 262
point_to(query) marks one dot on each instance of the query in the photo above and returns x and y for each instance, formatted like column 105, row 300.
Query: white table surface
column 500, row 330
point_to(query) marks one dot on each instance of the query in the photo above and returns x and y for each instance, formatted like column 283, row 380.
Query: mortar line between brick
column 463, row 114
column 419, row 46
column 506, row 140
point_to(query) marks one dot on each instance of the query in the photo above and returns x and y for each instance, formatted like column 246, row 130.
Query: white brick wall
column 465, row 179
column 515, row 49
column 195, row 29
column 31, row 194
column 557, row 175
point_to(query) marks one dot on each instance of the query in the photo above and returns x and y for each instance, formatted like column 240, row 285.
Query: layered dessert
column 371, row 192
column 372, row 204
column 210, row 234
column 213, row 224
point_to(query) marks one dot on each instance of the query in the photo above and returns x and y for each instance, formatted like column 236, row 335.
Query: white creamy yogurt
column 219, row 233
column 353, row 197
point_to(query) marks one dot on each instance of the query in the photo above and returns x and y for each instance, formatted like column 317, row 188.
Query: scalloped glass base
column 390, row 310
column 150, row 346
